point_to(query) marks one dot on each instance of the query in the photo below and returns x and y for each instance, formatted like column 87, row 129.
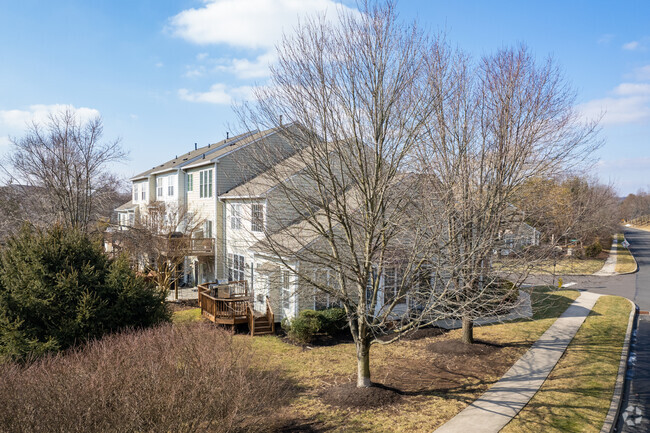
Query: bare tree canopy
column 67, row 161
column 159, row 241
column 355, row 97
column 497, row 125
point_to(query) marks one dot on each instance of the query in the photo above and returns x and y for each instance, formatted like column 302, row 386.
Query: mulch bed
column 349, row 396
column 457, row 347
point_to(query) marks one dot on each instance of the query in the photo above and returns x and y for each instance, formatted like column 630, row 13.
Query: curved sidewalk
column 499, row 404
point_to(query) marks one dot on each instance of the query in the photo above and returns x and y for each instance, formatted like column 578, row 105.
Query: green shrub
column 58, row 289
column 304, row 328
column 334, row 320
column 594, row 249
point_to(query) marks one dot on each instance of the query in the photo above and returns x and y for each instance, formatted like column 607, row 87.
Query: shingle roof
column 192, row 155
column 127, row 206
column 262, row 184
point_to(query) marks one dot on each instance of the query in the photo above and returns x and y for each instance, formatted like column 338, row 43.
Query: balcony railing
column 191, row 246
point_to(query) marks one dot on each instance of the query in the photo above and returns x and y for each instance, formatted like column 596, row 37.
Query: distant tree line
column 636, row 207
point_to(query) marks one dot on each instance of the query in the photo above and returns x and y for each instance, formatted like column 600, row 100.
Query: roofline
column 241, row 197
column 227, row 142
column 199, row 164
column 272, row 131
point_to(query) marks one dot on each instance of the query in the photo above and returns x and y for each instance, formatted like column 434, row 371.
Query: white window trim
column 235, row 216
column 253, row 225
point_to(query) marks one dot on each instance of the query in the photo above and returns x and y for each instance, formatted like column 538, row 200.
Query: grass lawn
column 434, row 385
column 577, row 394
column 186, row 316
column 570, row 266
column 624, row 261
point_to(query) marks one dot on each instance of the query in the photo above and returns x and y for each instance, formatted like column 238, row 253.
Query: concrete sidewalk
column 499, row 404
column 609, row 268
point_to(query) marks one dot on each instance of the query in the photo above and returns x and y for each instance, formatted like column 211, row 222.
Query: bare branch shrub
column 191, row 378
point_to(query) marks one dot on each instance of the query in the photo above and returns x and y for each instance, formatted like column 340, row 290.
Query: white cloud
column 201, row 56
column 160, row 65
column 218, row 94
column 245, row 68
column 631, row 46
column 194, row 72
column 39, row 113
column 632, row 89
column 606, row 38
column 246, row 24
column 629, row 109
column 642, row 73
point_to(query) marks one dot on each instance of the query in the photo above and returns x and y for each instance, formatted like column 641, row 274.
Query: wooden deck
column 231, row 304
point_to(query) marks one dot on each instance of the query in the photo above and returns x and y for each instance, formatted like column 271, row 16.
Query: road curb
column 636, row 264
column 615, row 406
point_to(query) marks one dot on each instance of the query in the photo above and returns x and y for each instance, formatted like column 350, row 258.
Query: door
column 287, row 296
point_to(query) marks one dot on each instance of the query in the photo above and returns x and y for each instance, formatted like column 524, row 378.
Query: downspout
column 296, row 302
column 223, row 227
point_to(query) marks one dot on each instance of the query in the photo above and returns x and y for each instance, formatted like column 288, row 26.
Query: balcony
column 190, row 246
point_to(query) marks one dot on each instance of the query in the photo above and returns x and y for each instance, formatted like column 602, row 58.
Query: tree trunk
column 468, row 330
column 363, row 364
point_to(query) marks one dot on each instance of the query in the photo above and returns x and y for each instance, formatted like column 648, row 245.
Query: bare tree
column 66, row 161
column 497, row 125
column 570, row 209
column 159, row 242
column 346, row 218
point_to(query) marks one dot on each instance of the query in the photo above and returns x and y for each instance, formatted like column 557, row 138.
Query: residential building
column 181, row 197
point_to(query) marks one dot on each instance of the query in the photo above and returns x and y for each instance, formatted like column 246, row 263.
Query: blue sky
column 163, row 74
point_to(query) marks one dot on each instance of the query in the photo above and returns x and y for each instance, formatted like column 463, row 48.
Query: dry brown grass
column 434, row 386
column 170, row 379
column 577, row 394
column 625, row 262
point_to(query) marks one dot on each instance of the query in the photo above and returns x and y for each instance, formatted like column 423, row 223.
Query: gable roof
column 260, row 185
column 193, row 155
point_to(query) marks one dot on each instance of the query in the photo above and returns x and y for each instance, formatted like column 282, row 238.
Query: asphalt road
column 635, row 413
column 635, row 410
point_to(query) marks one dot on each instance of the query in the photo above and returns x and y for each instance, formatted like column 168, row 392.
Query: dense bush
column 166, row 379
column 58, row 288
column 304, row 328
column 594, row 249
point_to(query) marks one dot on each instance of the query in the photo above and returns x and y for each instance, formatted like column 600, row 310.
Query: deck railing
column 191, row 246
column 225, row 301
column 269, row 315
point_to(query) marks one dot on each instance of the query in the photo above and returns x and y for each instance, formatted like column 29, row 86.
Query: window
column 190, row 182
column 131, row 218
column 205, row 183
column 144, row 193
column 171, row 181
column 285, row 291
column 236, row 267
column 159, row 187
column 235, row 216
column 391, row 285
column 207, row 229
column 257, row 218
column 323, row 300
column 135, row 192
